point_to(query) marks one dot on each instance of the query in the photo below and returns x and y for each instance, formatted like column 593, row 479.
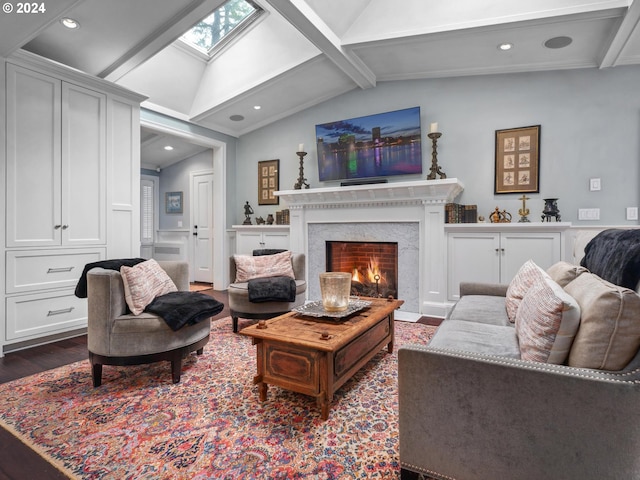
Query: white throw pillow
column 263, row 266
column 144, row 282
column 546, row 323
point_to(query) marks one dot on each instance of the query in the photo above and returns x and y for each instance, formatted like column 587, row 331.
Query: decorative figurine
column 498, row 216
column 270, row 219
column 259, row 221
column 247, row 212
column 550, row 210
column 524, row 211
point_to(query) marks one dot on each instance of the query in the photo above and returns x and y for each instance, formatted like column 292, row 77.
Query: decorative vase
column 335, row 288
column 550, row 210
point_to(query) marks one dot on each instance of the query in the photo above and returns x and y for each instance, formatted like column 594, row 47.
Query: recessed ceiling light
column 168, row 147
column 257, row 107
column 558, row 42
column 505, row 46
column 70, row 23
column 236, row 118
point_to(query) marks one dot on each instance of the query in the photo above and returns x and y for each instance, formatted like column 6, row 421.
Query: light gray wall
column 590, row 128
column 175, row 178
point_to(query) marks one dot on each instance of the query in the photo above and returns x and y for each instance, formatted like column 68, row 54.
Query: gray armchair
column 241, row 307
column 115, row 337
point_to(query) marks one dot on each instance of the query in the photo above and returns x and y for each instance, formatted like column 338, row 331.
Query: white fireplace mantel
column 437, row 191
column 367, row 212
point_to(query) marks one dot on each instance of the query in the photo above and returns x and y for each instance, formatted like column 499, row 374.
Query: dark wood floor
column 17, row 461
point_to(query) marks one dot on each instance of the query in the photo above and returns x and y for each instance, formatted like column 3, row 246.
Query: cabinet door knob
column 64, row 227
column 57, row 226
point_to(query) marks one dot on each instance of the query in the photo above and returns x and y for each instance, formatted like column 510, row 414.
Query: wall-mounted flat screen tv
column 378, row 145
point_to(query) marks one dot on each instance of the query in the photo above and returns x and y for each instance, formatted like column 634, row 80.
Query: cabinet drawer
column 32, row 270
column 30, row 316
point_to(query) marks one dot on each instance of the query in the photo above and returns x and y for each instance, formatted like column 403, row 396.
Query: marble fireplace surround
column 410, row 213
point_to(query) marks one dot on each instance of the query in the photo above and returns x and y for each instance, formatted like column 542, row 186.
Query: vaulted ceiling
column 303, row 52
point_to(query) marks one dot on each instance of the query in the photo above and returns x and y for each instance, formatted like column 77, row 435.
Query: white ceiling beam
column 630, row 24
column 160, row 38
column 301, row 16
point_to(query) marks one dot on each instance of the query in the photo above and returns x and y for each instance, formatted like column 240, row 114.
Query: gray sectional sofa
column 478, row 403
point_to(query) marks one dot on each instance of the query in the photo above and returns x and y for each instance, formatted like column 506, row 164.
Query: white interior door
column 202, row 226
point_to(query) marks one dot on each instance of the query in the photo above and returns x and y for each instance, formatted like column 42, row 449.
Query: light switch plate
column 632, row 213
column 595, row 184
column 588, row 214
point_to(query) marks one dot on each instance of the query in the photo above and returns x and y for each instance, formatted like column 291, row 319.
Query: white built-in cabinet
column 493, row 253
column 71, row 172
column 250, row 238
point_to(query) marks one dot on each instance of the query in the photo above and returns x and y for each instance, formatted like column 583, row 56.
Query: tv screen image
column 378, row 145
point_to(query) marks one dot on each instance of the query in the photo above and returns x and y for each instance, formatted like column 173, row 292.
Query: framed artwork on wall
column 268, row 182
column 173, row 202
column 517, row 168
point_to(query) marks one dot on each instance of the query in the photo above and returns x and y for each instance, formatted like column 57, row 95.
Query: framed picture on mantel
column 268, row 182
column 518, row 160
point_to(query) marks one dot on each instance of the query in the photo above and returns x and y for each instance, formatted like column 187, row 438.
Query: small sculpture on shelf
column 259, row 221
column 524, row 211
column 270, row 219
column 498, row 216
column 248, row 211
column 550, row 210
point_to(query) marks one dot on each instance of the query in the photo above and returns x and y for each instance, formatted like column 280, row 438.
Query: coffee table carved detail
column 316, row 356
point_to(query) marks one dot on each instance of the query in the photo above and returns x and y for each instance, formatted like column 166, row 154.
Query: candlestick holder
column 301, row 180
column 435, row 169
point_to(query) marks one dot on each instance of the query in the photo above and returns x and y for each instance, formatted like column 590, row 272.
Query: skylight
column 216, row 30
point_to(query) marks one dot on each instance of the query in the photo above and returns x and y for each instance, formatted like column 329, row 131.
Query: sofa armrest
column 477, row 288
column 472, row 416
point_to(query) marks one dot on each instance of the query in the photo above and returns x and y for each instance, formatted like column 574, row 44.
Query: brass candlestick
column 435, row 169
column 301, row 180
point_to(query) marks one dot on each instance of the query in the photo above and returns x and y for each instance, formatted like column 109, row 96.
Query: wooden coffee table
column 316, row 356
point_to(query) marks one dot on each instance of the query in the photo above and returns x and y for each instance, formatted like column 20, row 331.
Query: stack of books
column 457, row 213
column 282, row 217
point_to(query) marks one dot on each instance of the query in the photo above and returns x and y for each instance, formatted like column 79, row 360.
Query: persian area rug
column 138, row 425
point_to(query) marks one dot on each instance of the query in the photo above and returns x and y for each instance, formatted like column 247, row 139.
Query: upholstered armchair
column 117, row 337
column 241, row 306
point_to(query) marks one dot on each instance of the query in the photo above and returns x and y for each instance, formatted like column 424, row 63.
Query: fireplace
column 373, row 266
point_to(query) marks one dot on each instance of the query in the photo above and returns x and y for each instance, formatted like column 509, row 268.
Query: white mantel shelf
column 429, row 191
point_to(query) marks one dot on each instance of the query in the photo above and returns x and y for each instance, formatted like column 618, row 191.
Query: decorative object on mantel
column 282, row 217
column 498, row 216
column 268, row 182
column 247, row 212
column 517, row 160
column 301, row 180
column 259, row 221
column 550, row 210
column 270, row 219
column 434, row 135
column 524, row 211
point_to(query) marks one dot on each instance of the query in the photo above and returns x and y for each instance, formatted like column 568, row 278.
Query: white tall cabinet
column 493, row 253
column 71, row 169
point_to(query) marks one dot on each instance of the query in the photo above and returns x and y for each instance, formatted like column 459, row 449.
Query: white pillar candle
column 301, row 147
column 433, row 127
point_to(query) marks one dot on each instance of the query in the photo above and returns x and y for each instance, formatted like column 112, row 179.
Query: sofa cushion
column 528, row 273
column 477, row 338
column 609, row 333
column 144, row 282
column 564, row 272
column 481, row 309
column 546, row 322
column 249, row 267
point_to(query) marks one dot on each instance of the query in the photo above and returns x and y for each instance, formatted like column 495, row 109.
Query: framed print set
column 518, row 160
column 268, row 182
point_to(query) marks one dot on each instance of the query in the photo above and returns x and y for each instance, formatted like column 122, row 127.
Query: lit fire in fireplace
column 372, row 274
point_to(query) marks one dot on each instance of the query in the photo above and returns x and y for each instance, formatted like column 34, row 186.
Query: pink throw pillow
column 249, row 267
column 528, row 274
column 144, row 282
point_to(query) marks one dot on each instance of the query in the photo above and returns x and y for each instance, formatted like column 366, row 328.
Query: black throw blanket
column 81, row 287
column 614, row 255
column 272, row 289
column 184, row 308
